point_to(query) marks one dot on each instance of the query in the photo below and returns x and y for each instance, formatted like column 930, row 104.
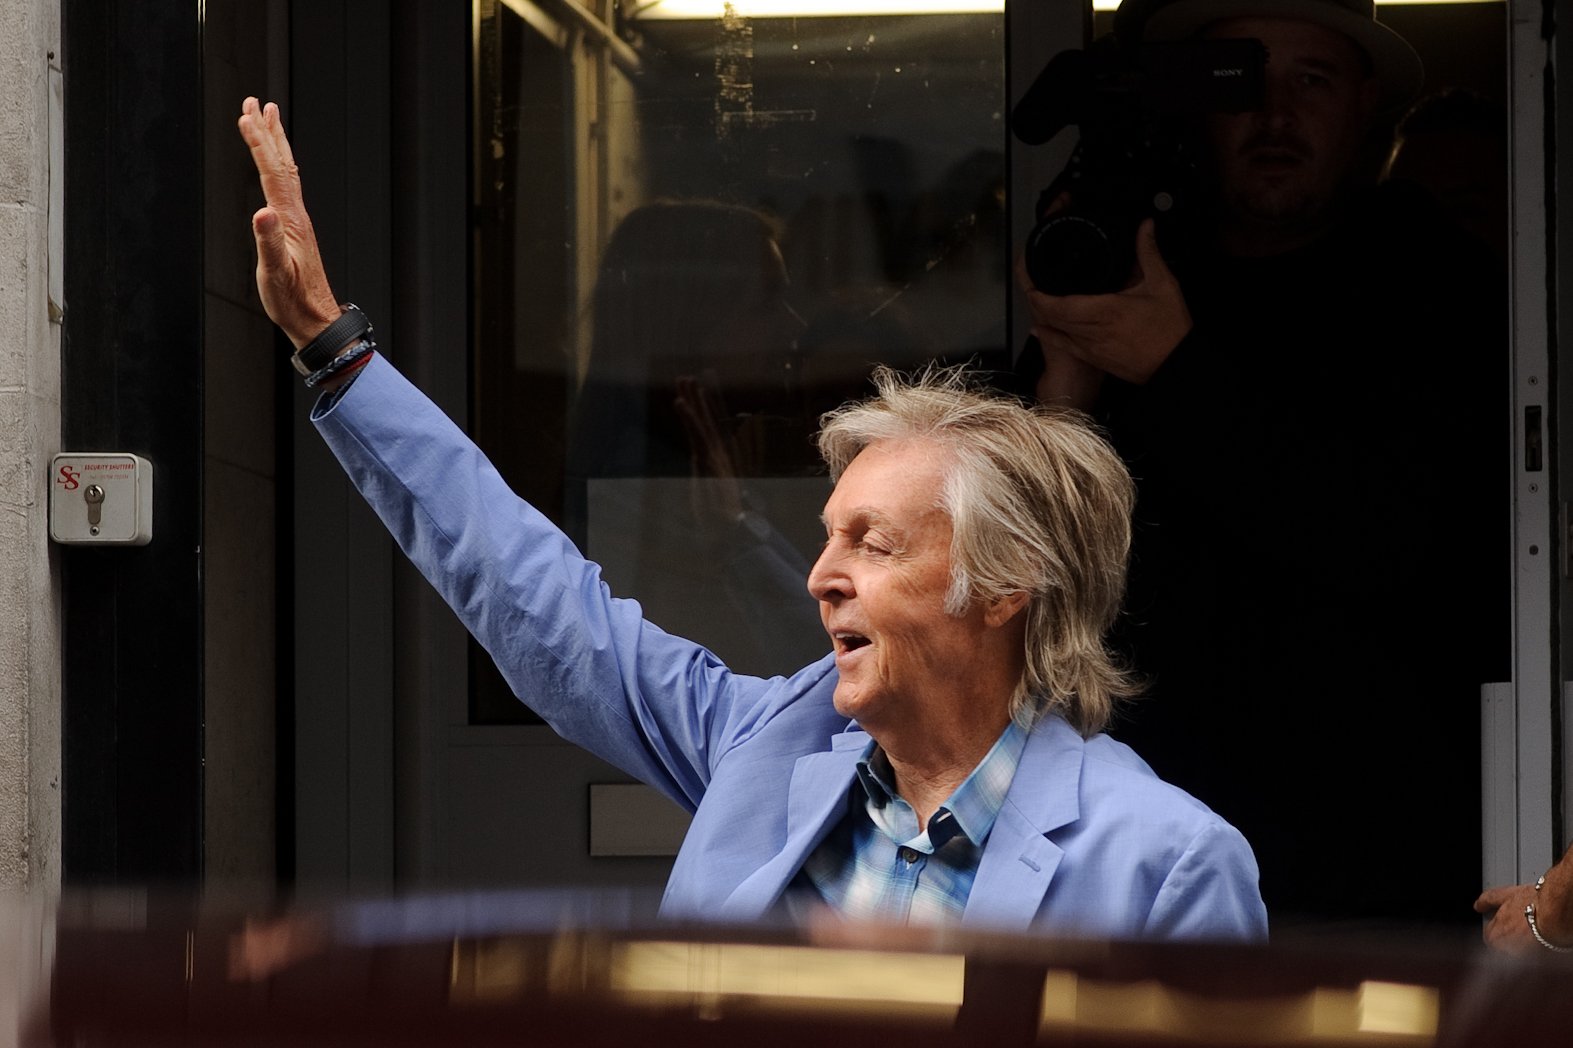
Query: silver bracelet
column 1534, row 929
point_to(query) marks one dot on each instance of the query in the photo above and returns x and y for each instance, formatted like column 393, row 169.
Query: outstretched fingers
column 290, row 276
column 263, row 132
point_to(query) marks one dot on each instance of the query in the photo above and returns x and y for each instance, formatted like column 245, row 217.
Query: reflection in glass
column 693, row 238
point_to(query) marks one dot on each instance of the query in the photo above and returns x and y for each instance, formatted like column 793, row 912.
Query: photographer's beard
column 1277, row 189
column 1281, row 170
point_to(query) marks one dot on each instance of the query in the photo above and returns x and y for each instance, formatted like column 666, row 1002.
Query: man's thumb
column 1148, row 257
column 269, row 231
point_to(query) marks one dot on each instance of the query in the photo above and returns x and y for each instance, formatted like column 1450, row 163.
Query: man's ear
column 1005, row 609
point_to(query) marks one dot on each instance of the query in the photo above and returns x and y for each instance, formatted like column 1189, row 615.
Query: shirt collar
column 974, row 805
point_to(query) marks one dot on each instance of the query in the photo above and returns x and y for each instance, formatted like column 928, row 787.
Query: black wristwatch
column 317, row 354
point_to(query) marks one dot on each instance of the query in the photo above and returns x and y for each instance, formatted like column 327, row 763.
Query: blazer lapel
column 815, row 799
column 1018, row 859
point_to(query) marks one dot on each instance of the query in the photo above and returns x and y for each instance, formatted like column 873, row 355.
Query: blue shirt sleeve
column 661, row 708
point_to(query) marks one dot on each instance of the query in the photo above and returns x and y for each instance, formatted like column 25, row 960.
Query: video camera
column 1136, row 106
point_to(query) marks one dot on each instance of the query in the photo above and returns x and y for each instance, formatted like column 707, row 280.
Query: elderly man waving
column 942, row 764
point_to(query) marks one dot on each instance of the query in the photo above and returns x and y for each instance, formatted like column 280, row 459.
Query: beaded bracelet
column 1534, row 929
column 356, row 357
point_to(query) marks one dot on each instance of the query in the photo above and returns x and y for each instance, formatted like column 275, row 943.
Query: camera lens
column 1072, row 253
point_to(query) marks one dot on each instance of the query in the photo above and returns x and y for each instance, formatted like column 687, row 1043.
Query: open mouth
column 847, row 643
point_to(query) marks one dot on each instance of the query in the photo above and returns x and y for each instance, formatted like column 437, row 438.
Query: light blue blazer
column 1088, row 842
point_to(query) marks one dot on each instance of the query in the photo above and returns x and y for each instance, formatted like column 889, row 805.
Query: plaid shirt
column 877, row 865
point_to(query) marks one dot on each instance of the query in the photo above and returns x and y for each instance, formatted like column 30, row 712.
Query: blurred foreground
column 561, row 968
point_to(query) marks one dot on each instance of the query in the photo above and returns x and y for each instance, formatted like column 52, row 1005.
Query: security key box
column 101, row 499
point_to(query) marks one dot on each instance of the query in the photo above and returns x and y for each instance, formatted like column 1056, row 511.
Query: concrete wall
column 29, row 435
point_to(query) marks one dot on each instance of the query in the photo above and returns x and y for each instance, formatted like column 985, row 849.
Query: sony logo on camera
column 1135, row 105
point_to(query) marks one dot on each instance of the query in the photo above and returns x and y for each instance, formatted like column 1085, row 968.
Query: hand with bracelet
column 290, row 275
column 1538, row 917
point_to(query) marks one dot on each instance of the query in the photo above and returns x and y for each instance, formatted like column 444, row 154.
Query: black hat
column 1393, row 61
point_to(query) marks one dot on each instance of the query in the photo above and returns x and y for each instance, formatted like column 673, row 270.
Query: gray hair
column 1038, row 503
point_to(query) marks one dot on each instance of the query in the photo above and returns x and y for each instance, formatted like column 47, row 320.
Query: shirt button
column 908, row 855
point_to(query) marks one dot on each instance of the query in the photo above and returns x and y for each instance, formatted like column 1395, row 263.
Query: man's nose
column 826, row 580
column 1277, row 98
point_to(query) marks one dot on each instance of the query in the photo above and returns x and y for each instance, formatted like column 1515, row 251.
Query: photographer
column 1309, row 392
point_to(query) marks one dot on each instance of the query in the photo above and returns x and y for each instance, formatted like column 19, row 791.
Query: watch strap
column 351, row 326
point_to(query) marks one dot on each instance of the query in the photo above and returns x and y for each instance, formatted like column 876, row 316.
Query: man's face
column 1284, row 164
column 881, row 584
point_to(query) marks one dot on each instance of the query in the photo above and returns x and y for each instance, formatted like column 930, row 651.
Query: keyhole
column 94, row 495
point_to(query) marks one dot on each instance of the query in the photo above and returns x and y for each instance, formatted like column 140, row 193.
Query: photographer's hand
column 1127, row 334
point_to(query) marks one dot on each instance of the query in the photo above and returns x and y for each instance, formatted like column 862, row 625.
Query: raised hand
column 290, row 277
